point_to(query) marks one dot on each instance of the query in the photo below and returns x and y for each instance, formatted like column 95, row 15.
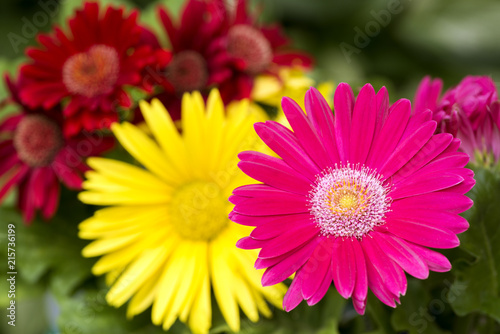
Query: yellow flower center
column 198, row 211
column 348, row 200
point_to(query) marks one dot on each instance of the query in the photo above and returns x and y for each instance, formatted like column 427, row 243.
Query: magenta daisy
column 356, row 198
column 469, row 111
column 89, row 67
column 35, row 157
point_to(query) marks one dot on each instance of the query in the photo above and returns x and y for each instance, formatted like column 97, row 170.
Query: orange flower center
column 37, row 140
column 250, row 45
column 92, row 73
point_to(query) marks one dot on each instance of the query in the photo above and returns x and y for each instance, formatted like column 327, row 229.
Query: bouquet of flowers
column 191, row 175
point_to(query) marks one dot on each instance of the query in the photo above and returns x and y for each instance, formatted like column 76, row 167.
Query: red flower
column 35, row 156
column 212, row 46
column 88, row 67
column 255, row 49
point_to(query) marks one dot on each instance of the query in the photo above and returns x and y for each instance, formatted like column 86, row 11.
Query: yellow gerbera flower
column 166, row 239
column 290, row 82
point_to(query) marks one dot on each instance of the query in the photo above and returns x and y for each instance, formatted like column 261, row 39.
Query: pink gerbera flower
column 469, row 111
column 88, row 67
column 356, row 198
column 35, row 157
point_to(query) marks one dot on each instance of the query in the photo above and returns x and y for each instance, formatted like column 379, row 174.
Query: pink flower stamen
column 349, row 201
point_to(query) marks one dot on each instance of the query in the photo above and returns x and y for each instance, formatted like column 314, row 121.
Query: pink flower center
column 188, row 71
column 37, row 140
column 349, row 201
column 250, row 45
column 92, row 73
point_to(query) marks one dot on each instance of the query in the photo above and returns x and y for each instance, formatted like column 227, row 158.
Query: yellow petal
column 183, row 291
column 107, row 245
column 144, row 297
column 136, row 274
column 169, row 282
column 124, row 197
column 223, row 282
column 193, row 127
column 167, row 135
column 200, row 319
column 124, row 174
column 215, row 125
column 245, row 299
column 146, row 151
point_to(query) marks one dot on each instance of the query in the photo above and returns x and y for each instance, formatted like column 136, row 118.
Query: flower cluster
column 77, row 92
column 470, row 111
column 80, row 79
column 341, row 190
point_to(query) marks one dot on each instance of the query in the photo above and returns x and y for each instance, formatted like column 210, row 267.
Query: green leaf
column 321, row 318
column 413, row 315
column 50, row 249
column 477, row 284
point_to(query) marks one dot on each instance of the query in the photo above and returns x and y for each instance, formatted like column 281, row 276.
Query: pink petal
column 289, row 241
column 391, row 133
column 402, row 254
column 427, row 94
column 321, row 116
column 250, row 220
column 416, row 122
column 441, row 200
column 274, row 172
column 293, row 296
column 266, row 263
column 305, row 132
column 344, row 267
column 432, row 218
column 421, row 234
column 286, row 203
column 386, row 280
column 343, row 102
column 407, row 149
column 462, row 187
column 316, row 268
column 323, row 288
column 249, row 243
column 435, row 261
column 363, row 124
column 434, row 147
column 284, row 143
column 426, row 184
column 450, row 161
column 282, row 270
column 361, row 288
column 382, row 100
column 253, row 190
column 281, row 225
